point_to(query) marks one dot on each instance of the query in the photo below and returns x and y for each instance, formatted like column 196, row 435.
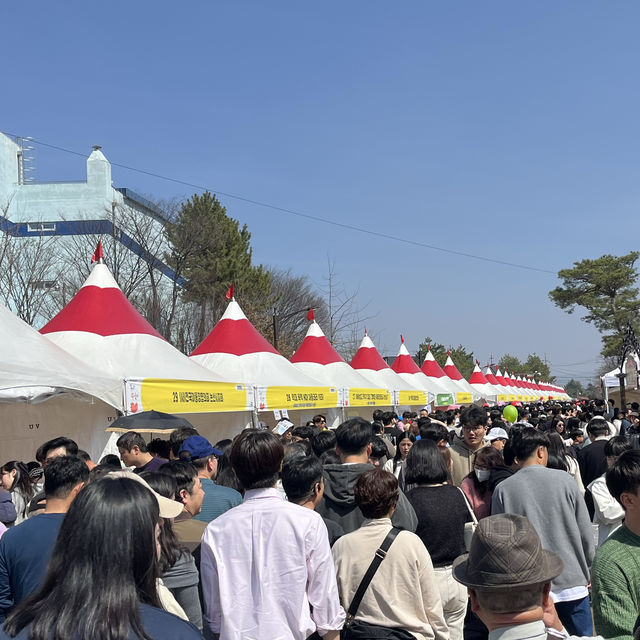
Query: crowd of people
column 437, row 525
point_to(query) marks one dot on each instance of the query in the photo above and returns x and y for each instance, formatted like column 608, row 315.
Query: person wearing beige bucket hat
column 508, row 575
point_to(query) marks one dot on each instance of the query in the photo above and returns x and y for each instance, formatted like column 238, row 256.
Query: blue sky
column 507, row 130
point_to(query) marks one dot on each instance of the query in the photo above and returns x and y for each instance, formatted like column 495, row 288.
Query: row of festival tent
column 100, row 327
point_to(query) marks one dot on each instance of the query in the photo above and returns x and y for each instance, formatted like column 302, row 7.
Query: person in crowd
column 303, row 484
column 15, row 479
column 512, row 598
column 112, row 460
column 134, row 453
column 25, row 549
column 390, row 422
column 498, row 437
column 177, row 566
column 379, row 452
column 378, row 430
column 608, row 513
column 557, row 425
column 591, row 458
column 559, row 458
column 406, row 568
column 353, row 444
column 204, row 457
column 7, row 510
column 160, row 448
column 403, row 446
column 323, row 441
column 189, row 492
column 474, row 429
column 476, row 484
column 226, row 475
column 177, row 437
column 267, row 541
column 437, row 433
column 577, row 442
column 440, row 529
column 616, row 568
column 550, row 499
column 320, row 421
column 329, row 457
column 46, row 452
column 303, row 433
column 101, row 581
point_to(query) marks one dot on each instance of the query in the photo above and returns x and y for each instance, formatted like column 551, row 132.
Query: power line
column 300, row 214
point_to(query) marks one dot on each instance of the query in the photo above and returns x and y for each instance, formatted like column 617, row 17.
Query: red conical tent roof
column 488, row 374
column 316, row 348
column 477, row 377
column 404, row 362
column 100, row 307
column 234, row 334
column 431, row 368
column 451, row 370
column 367, row 357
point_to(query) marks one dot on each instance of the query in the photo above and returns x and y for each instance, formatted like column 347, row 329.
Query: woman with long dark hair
column 177, row 565
column 559, row 458
column 404, row 443
column 15, row 479
column 101, row 579
column 442, row 513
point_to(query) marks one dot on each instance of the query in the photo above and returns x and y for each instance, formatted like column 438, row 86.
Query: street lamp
column 277, row 318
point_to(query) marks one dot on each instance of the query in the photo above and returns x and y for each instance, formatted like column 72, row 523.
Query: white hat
column 168, row 508
column 497, row 432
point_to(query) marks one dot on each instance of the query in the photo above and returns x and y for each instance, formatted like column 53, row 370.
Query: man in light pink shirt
column 266, row 565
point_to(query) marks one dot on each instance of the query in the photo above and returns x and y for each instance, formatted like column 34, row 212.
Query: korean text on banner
column 270, row 398
column 412, row 398
column 443, row 399
column 186, row 396
column 463, row 398
column 370, row 398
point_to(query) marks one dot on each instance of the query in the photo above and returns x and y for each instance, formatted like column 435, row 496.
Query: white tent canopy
column 100, row 326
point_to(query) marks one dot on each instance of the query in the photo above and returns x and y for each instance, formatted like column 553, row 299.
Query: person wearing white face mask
column 476, row 484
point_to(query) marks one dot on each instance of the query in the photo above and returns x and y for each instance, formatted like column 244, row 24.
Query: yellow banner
column 370, row 398
column 463, row 398
column 412, row 398
column 520, row 397
column 270, row 398
column 186, row 396
column 511, row 397
column 502, row 398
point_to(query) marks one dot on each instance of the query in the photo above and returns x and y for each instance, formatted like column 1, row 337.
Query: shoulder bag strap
column 466, row 500
column 371, row 571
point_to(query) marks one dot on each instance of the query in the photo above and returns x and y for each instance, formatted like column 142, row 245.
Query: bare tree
column 346, row 317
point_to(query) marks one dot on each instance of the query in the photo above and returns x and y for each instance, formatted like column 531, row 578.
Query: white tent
column 481, row 385
column 317, row 358
column 452, row 372
column 434, row 373
column 368, row 362
column 46, row 392
column 235, row 349
column 100, row 326
column 409, row 371
column 492, row 379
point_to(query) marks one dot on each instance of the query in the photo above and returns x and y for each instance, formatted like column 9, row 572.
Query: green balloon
column 510, row 413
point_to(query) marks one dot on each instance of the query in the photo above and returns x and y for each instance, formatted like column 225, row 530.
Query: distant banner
column 186, row 396
column 270, row 398
column 502, row 397
column 369, row 398
column 511, row 398
column 443, row 399
column 464, row 398
column 412, row 398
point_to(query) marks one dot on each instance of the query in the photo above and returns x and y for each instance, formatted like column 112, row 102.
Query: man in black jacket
column 591, row 459
column 353, row 444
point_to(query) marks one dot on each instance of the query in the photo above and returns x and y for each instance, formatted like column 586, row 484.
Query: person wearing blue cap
column 204, row 457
